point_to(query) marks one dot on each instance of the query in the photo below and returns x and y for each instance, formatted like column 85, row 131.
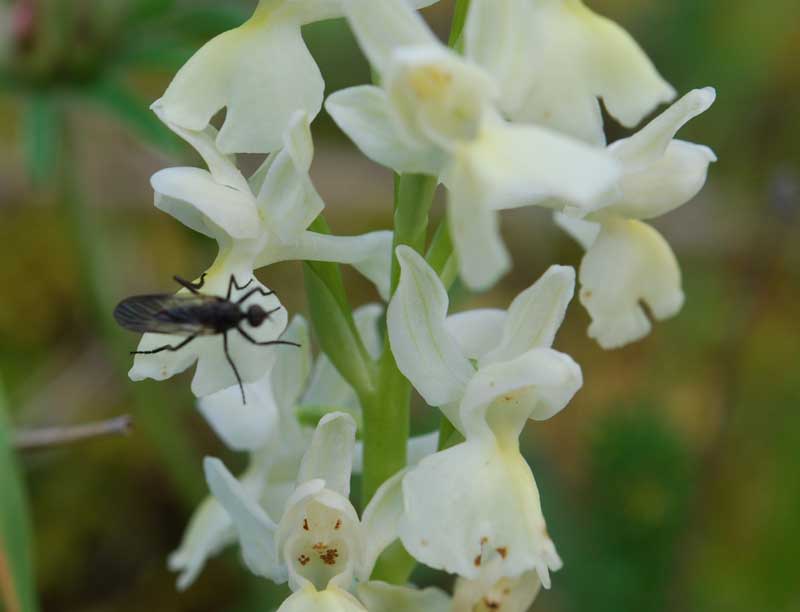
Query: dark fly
column 195, row 315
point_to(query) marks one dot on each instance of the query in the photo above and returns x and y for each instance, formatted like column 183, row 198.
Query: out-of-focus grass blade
column 142, row 10
column 134, row 114
column 41, row 134
column 17, row 591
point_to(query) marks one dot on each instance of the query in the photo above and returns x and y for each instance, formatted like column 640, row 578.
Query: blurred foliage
column 671, row 481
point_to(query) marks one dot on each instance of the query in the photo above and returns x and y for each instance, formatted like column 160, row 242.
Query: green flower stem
column 413, row 196
column 162, row 427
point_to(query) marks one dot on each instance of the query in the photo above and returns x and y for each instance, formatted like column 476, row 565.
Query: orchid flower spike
column 554, row 59
column 319, row 545
column 438, row 113
column 263, row 59
column 256, row 223
column 627, row 262
column 489, row 371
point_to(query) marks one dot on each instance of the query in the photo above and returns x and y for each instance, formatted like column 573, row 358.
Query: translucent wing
column 164, row 314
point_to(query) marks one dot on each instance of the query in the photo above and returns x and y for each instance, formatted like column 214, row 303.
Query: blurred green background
column 670, row 483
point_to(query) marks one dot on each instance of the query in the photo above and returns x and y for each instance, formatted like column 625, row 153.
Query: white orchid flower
column 319, row 544
column 489, row 371
column 260, row 72
column 256, row 224
column 628, row 263
column 436, row 113
column 554, row 59
column 269, row 429
column 490, row 591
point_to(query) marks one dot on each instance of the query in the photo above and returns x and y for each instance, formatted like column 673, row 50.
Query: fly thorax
column 438, row 96
column 323, row 546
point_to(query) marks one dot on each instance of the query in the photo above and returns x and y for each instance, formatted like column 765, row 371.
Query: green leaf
column 134, row 113
column 41, row 133
column 333, row 322
column 17, row 590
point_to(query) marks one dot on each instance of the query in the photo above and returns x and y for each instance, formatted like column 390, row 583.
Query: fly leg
column 252, row 292
column 252, row 340
column 193, row 287
column 233, row 365
column 166, row 347
column 233, row 284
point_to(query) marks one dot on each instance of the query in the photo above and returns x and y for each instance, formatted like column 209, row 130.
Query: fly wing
column 161, row 314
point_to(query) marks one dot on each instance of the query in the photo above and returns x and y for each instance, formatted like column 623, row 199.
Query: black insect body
column 196, row 315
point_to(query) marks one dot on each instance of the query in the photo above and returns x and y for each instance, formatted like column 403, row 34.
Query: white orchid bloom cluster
column 511, row 118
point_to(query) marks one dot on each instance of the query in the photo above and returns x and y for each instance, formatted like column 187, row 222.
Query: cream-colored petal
column 383, row 26
column 477, row 331
column 287, row 198
column 470, row 497
column 363, row 113
column 193, row 197
column 320, row 538
column 330, row 456
column 291, row 373
column 662, row 174
column 582, row 231
column 370, row 254
column 210, row 530
column 255, row 529
column 242, row 427
column 438, row 96
column 381, row 522
column 535, row 315
column 426, row 354
column 630, row 264
column 222, row 167
column 651, row 142
column 493, row 591
column 263, row 60
column 554, row 58
column 525, row 164
column 332, row 599
column 384, row 597
column 502, row 396
column 474, row 227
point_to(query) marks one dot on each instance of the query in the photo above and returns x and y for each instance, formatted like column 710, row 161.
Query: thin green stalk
column 162, row 427
column 459, row 20
column 17, row 582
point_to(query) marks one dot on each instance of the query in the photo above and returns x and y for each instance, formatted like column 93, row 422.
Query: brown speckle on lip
column 477, row 561
column 338, row 524
column 305, row 524
column 502, row 551
column 303, row 560
column 329, row 556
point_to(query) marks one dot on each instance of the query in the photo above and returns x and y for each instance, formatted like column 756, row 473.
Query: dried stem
column 59, row 436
